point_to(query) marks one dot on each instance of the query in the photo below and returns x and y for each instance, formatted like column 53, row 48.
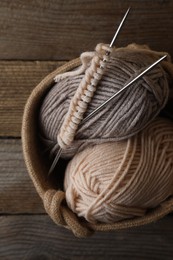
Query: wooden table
column 35, row 38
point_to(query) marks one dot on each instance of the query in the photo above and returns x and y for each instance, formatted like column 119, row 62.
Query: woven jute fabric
column 52, row 195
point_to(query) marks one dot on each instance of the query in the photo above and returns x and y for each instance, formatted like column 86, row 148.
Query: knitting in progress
column 98, row 140
column 122, row 158
column 128, row 114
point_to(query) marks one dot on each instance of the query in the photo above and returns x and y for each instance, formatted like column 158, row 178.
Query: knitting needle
column 55, row 161
column 107, row 53
column 106, row 102
column 119, row 27
column 126, row 86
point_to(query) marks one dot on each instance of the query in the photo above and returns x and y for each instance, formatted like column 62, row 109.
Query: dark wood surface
column 61, row 30
column 38, row 238
column 35, row 38
column 17, row 194
column 18, row 79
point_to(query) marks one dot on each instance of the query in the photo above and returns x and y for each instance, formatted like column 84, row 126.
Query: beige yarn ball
column 110, row 182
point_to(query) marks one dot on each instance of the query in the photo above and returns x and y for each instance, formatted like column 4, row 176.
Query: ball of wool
column 119, row 180
column 125, row 116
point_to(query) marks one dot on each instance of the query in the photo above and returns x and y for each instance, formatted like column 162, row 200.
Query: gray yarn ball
column 123, row 117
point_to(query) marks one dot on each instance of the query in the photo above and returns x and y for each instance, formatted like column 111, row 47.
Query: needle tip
column 119, row 27
column 128, row 10
column 55, row 162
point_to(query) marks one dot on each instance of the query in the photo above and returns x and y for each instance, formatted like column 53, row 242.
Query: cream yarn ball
column 119, row 180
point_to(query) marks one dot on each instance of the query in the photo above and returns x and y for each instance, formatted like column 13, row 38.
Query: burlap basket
column 50, row 189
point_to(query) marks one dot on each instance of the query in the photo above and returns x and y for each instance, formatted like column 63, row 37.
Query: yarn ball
column 118, row 180
column 125, row 116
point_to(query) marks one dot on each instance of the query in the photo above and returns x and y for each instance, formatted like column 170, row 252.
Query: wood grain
column 61, row 30
column 17, row 192
column 18, row 78
column 37, row 237
column 53, row 31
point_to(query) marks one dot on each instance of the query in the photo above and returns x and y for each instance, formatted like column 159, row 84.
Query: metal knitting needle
column 119, row 27
column 107, row 53
column 55, row 161
column 126, row 86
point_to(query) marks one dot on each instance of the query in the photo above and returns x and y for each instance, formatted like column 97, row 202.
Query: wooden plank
column 37, row 237
column 18, row 78
column 17, row 193
column 61, row 30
